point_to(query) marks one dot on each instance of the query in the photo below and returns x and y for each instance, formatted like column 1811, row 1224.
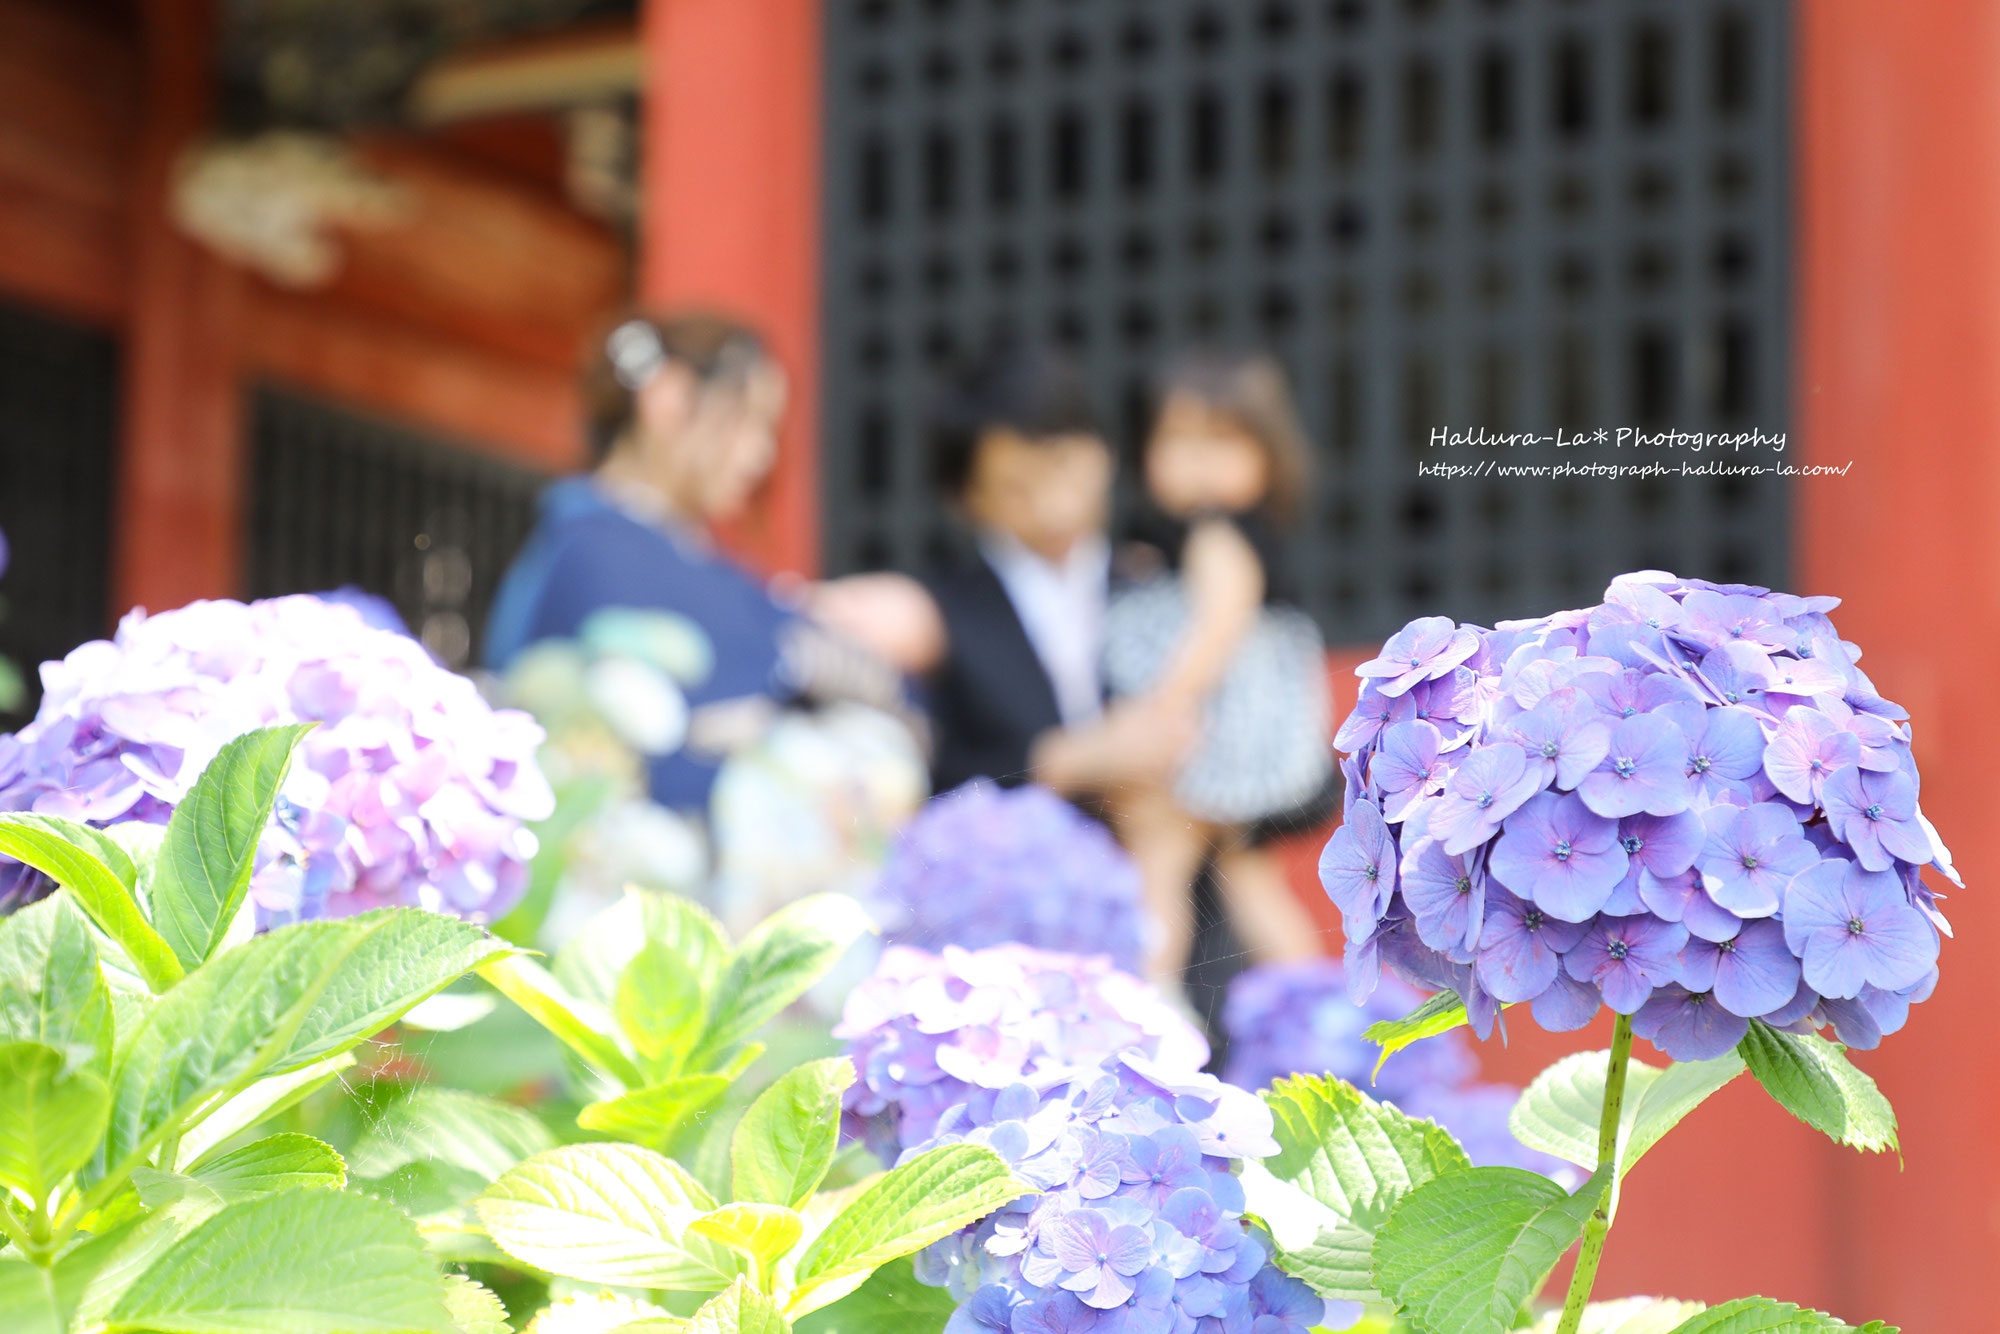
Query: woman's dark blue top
column 586, row 553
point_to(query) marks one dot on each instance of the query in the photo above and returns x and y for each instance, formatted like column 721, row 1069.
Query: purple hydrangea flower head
column 1752, row 973
column 1688, row 803
column 1522, row 951
column 1558, row 853
column 983, row 865
column 1373, row 713
column 925, row 1030
column 1751, row 854
column 1165, row 1249
column 1664, row 845
column 1691, row 1024
column 1488, row 787
column 1420, row 651
column 1876, row 815
column 1447, row 894
column 1566, row 735
column 1358, row 865
column 411, row 790
column 1644, row 769
column 1626, row 957
column 1852, row 928
column 1807, row 747
column 1406, row 767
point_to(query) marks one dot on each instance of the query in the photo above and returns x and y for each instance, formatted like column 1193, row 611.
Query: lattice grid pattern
column 338, row 498
column 58, row 424
column 1516, row 214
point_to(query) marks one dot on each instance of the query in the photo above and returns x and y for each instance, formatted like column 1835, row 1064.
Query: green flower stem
column 14, row 1230
column 1609, row 1149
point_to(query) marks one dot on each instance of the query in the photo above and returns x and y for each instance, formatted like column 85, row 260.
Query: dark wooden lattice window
column 1516, row 214
column 341, row 499
column 58, row 422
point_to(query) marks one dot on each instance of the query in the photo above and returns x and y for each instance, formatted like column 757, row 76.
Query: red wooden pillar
column 731, row 210
column 1899, row 371
column 178, row 488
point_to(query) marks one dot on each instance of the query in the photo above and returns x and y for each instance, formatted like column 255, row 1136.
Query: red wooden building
column 461, row 316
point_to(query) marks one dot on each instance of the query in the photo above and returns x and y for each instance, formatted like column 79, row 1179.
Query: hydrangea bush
column 1296, row 1019
column 1688, row 804
column 1139, row 1225
column 609, row 701
column 815, row 804
column 409, row 791
column 928, row 1031
column 982, row 865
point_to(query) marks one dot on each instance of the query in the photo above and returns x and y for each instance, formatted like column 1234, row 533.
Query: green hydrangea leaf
column 102, row 878
column 740, row 1310
column 762, row 1231
column 786, row 953
column 466, row 1130
column 593, row 961
column 264, row 1099
column 902, row 1211
column 657, row 1114
column 661, row 1007
column 285, row 1161
column 1558, row 1112
column 301, row 1262
column 473, row 1308
column 51, row 1117
column 1343, row 1161
column 579, row 1023
column 27, row 1303
column 1437, row 1014
column 201, row 872
column 607, row 1213
column 1761, row 1315
column 1813, row 1080
column 281, row 1001
column 1463, row 1251
column 786, row 1141
column 52, row 991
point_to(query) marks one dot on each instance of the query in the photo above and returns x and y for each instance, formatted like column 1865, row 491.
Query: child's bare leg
column 1268, row 917
column 1169, row 846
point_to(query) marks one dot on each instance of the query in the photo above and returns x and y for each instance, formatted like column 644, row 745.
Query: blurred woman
column 683, row 413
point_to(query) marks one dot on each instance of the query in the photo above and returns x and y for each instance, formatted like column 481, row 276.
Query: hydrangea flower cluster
column 410, row 791
column 814, row 804
column 1139, row 1227
column 927, row 1031
column 981, row 865
column 1295, row 1018
column 1687, row 804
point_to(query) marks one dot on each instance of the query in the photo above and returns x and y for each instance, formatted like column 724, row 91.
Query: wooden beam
column 480, row 258
column 68, row 125
column 595, row 62
column 518, row 409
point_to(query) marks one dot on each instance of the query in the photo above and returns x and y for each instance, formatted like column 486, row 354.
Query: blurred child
column 1212, row 631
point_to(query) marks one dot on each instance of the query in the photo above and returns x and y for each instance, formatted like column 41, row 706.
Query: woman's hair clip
column 636, row 354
